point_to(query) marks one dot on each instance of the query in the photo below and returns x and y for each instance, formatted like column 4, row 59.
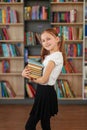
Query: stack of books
column 36, row 68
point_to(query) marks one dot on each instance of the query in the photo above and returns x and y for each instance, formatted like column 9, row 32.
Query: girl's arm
column 43, row 79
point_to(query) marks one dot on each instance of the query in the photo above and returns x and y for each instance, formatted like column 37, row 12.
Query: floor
column 70, row 117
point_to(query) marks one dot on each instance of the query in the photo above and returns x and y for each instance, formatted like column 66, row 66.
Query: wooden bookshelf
column 85, row 53
column 16, row 37
column 75, row 79
column 34, row 25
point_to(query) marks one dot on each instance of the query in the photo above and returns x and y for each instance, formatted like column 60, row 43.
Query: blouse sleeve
column 57, row 58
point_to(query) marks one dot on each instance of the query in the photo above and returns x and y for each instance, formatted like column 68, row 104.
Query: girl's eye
column 46, row 40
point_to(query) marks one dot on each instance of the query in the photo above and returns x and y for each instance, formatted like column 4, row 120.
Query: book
column 36, row 68
column 33, row 62
column 6, row 66
column 32, row 89
column 6, row 89
column 28, row 90
column 85, row 12
column 73, row 15
column 10, row 89
column 64, row 89
column 68, row 90
column 0, row 90
column 1, row 51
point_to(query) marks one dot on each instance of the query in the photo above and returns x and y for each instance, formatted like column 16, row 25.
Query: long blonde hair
column 53, row 32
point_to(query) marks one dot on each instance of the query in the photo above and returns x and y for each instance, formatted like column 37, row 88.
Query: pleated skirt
column 45, row 103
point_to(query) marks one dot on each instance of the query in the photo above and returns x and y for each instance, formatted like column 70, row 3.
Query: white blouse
column 57, row 58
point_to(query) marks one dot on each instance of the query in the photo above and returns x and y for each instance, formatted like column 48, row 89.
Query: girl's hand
column 26, row 72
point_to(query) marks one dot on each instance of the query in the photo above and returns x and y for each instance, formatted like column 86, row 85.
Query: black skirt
column 45, row 103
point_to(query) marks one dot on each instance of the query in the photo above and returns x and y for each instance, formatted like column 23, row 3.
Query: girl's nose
column 46, row 42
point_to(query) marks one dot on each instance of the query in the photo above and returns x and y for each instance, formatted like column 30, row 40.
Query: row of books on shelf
column 62, row 87
column 6, row 90
column 5, row 66
column 8, row 15
column 70, row 33
column 74, row 49
column 4, row 34
column 32, row 38
column 64, row 16
column 9, row 50
column 11, row 0
column 36, row 12
column 69, row 67
column 64, row 0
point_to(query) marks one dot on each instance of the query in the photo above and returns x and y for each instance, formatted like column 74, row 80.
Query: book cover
column 29, row 92
column 34, row 67
column 10, row 89
column 4, row 30
column 6, row 66
column 32, row 89
column 1, row 51
column 33, row 62
column 4, row 89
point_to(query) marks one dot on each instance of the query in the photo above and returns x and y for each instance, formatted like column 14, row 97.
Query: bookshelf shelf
column 71, row 99
column 11, row 41
column 11, row 74
column 66, row 3
column 80, row 41
column 12, row 58
column 72, row 74
column 11, row 3
column 77, row 58
column 13, row 98
column 68, row 24
column 11, row 24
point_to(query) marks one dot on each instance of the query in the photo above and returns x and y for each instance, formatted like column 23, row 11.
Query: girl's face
column 49, row 41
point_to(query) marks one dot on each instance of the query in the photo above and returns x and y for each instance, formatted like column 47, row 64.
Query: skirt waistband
column 41, row 85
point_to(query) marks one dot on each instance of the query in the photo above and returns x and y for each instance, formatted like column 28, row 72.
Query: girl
column 46, row 104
